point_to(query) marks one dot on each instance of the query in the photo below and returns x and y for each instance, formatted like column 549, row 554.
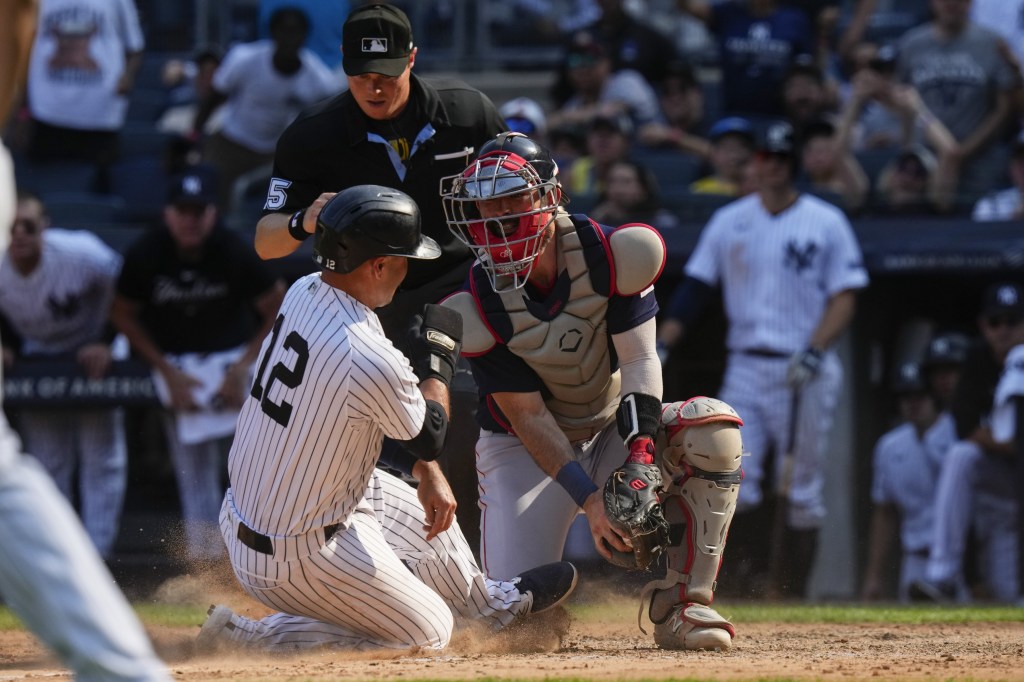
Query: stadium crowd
column 655, row 112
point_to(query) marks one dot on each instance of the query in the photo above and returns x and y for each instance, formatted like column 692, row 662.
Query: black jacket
column 326, row 149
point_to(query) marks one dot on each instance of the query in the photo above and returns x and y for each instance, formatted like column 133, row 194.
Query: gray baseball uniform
column 312, row 529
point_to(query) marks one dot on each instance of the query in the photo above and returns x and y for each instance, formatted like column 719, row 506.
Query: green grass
column 184, row 616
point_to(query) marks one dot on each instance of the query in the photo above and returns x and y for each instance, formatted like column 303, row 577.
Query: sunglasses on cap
column 1004, row 319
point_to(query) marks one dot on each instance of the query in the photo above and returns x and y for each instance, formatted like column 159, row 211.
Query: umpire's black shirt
column 334, row 145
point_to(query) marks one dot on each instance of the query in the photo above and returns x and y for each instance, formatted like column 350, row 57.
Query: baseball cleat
column 213, row 635
column 692, row 627
column 549, row 585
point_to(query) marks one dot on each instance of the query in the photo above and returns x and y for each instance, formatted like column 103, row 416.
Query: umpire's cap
column 366, row 221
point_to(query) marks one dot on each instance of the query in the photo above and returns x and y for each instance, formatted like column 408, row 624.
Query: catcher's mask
column 502, row 205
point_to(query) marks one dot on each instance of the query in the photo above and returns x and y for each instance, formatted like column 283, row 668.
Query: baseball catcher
column 559, row 319
column 681, row 506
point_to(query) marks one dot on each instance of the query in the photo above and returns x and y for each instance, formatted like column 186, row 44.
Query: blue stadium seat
column 673, row 170
column 84, row 209
column 145, row 105
column 47, row 178
column 142, row 183
column 141, row 139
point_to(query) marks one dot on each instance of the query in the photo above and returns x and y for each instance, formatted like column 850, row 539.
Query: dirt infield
column 615, row 651
column 611, row 648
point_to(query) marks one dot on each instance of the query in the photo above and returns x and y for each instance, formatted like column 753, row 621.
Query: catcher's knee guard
column 701, row 452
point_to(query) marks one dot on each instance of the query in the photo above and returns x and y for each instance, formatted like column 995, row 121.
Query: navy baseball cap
column 196, row 185
column 376, row 39
column 908, row 379
column 732, row 125
column 778, row 138
column 1005, row 298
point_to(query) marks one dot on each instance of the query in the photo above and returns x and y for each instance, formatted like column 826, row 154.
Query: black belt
column 764, row 353
column 261, row 543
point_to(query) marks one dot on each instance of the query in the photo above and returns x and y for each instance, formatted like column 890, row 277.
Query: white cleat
column 692, row 627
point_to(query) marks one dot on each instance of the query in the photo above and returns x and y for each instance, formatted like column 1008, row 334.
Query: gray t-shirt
column 958, row 79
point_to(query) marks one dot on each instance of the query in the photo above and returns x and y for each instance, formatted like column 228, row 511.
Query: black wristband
column 295, row 228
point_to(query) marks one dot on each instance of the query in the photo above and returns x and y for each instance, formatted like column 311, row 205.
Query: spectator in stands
column 682, row 109
column 875, row 121
column 631, row 43
column 631, row 196
column 757, row 42
column 264, row 85
column 1005, row 17
column 325, row 22
column 961, row 72
column 976, row 483
column 56, row 287
column 807, row 96
column 903, row 485
column 82, row 68
column 526, row 116
column 732, row 143
column 596, row 88
column 195, row 302
column 190, row 82
column 1006, row 204
column 906, row 184
column 609, row 139
column 829, row 167
column 568, row 143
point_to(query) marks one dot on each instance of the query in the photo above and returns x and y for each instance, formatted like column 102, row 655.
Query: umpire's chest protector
column 563, row 338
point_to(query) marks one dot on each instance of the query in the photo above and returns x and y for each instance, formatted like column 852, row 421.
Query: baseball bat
column 776, row 563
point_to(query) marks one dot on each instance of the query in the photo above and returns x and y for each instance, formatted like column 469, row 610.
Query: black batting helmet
column 777, row 138
column 366, row 221
column 908, row 379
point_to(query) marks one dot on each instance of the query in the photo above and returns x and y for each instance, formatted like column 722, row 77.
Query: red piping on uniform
column 607, row 252
column 483, row 317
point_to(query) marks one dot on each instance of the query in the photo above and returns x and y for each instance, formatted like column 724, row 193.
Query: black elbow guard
column 639, row 414
column 429, row 442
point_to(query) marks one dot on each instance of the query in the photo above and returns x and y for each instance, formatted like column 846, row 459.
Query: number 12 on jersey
column 291, row 377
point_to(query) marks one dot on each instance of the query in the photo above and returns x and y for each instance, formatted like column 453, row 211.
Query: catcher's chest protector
column 569, row 351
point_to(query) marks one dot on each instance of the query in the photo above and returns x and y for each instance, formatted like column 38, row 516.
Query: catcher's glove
column 634, row 510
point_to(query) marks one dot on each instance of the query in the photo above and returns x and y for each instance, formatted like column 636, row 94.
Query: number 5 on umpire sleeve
column 289, row 376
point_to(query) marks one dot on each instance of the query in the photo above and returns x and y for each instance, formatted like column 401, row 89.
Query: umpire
column 394, row 129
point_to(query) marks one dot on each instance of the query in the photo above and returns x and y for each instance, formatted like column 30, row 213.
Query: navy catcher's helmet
column 366, row 221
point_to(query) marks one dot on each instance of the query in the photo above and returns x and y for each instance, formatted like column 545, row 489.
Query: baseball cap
column 908, row 379
column 945, row 349
column 778, row 138
column 1004, row 298
column 194, row 185
column 584, row 50
column 618, row 123
column 524, row 115
column 732, row 125
column 376, row 39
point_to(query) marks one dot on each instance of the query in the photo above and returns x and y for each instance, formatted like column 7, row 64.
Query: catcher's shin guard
column 700, row 454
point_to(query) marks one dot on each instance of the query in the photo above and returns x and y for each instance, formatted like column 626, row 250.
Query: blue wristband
column 574, row 479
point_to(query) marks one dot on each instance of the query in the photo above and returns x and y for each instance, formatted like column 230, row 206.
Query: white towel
column 209, row 421
column 1011, row 385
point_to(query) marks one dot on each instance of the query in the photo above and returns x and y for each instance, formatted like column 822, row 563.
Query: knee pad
column 700, row 455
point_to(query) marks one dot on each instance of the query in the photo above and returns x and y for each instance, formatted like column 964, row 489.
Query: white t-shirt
column 77, row 59
column 261, row 101
column 777, row 272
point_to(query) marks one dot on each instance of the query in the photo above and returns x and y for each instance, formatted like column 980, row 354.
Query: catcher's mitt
column 634, row 509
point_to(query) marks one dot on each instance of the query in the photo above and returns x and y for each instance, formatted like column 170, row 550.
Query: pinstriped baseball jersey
column 329, row 387
column 905, row 475
column 63, row 303
column 777, row 271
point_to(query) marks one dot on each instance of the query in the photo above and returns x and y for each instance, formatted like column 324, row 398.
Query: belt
column 764, row 353
column 258, row 542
